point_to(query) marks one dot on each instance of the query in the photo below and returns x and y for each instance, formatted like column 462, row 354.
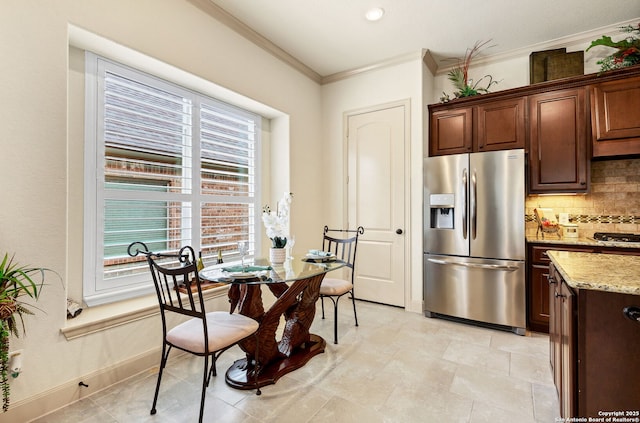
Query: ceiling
column 332, row 36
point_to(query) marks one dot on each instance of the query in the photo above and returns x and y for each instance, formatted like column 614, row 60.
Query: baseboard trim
column 70, row 392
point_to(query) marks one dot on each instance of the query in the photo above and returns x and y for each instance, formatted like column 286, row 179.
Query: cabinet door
column 555, row 320
column 539, row 298
column 558, row 158
column 451, row 131
column 608, row 345
column 499, row 125
column 568, row 354
column 615, row 117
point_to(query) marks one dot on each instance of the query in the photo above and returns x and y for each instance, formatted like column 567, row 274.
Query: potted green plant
column 459, row 76
column 627, row 50
column 16, row 282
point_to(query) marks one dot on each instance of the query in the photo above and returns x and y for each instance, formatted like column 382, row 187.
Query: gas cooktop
column 616, row 237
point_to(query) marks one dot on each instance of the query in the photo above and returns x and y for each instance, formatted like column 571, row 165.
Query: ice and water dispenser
column 442, row 210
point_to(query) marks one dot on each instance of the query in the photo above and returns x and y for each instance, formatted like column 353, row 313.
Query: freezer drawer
column 490, row 291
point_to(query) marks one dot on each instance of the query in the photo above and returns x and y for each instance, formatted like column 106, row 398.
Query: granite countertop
column 553, row 239
column 602, row 272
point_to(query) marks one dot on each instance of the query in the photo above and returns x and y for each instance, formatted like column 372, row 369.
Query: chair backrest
column 175, row 276
column 343, row 243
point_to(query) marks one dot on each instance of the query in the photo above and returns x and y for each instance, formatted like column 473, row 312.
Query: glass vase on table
column 243, row 249
column 291, row 241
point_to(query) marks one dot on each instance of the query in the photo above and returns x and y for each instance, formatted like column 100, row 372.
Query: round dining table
column 295, row 285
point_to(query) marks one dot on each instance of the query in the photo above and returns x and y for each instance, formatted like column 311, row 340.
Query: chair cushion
column 224, row 329
column 332, row 286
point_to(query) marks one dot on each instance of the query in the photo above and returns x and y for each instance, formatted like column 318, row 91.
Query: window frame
column 95, row 194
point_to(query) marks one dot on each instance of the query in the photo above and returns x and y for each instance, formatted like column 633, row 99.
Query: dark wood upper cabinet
column 500, row 125
column 558, row 147
column 558, row 123
column 451, row 131
column 615, row 113
column 492, row 125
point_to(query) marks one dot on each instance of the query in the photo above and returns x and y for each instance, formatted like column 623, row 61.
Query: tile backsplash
column 613, row 205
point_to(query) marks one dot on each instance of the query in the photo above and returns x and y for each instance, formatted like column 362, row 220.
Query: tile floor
column 395, row 367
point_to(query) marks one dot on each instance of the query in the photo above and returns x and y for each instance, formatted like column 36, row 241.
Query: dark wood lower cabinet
column 562, row 341
column 567, row 350
column 608, row 345
column 593, row 350
column 538, row 302
column 555, row 321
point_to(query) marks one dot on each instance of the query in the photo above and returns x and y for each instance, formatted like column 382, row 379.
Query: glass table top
column 261, row 271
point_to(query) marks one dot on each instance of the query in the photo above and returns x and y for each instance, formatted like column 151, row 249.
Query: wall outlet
column 15, row 363
column 563, row 218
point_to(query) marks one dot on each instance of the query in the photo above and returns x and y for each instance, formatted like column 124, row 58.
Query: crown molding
column 374, row 66
column 244, row 30
column 429, row 61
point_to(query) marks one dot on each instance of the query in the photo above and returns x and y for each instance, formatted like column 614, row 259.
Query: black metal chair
column 344, row 247
column 204, row 334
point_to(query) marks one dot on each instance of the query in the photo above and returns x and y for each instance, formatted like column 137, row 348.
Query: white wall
column 40, row 218
column 385, row 85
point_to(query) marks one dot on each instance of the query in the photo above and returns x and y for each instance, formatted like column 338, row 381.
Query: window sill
column 104, row 317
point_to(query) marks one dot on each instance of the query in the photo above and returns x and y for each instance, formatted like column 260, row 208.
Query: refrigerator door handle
column 474, row 265
column 474, row 205
column 466, row 202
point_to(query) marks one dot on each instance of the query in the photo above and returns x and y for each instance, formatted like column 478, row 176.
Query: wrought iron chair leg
column 205, row 381
column 353, row 300
column 335, row 320
column 163, row 362
column 322, row 302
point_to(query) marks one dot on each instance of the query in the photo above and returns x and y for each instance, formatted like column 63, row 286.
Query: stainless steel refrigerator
column 474, row 243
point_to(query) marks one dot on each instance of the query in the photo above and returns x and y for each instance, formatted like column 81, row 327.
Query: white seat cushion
column 224, row 329
column 332, row 286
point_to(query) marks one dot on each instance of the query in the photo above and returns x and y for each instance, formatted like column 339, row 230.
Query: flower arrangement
column 276, row 222
column 459, row 76
column 628, row 49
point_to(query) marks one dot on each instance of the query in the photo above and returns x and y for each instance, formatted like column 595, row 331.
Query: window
column 165, row 166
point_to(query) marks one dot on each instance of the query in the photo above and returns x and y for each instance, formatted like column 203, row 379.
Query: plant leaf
column 606, row 41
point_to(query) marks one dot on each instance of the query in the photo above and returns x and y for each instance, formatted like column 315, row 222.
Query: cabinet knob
column 560, row 295
column 399, row 231
column 583, row 183
column 632, row 313
column 551, row 279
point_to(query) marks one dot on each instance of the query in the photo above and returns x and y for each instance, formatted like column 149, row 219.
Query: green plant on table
column 16, row 282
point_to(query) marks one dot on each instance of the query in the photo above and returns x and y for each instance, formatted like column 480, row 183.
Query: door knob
column 399, row 231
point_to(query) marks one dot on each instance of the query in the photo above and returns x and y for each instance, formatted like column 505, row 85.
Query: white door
column 376, row 201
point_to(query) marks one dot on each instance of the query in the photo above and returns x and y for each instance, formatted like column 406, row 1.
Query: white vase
column 277, row 255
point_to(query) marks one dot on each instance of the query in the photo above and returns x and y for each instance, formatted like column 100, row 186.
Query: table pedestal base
column 237, row 377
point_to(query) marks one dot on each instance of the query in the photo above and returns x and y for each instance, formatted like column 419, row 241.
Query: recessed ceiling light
column 374, row 14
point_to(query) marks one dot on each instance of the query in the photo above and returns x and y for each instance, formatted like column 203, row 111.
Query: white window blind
column 172, row 168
